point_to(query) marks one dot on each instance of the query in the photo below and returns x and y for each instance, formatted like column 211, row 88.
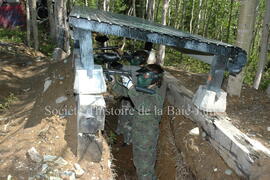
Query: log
column 238, row 150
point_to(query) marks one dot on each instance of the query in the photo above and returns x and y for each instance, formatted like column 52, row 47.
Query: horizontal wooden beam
column 238, row 150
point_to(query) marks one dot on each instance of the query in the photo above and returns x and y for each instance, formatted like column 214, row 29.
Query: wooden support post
column 238, row 150
column 89, row 85
column 86, row 50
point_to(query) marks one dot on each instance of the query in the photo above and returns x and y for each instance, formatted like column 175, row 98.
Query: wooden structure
column 238, row 150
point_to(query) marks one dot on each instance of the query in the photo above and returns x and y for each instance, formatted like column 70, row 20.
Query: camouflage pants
column 145, row 132
column 124, row 121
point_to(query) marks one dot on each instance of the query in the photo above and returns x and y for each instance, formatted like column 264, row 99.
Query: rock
column 215, row 169
column 49, row 158
column 44, row 168
column 78, row 170
column 61, row 99
column 203, row 134
column 55, row 178
column 68, row 175
column 47, row 84
column 268, row 128
column 209, row 100
column 109, row 163
column 60, row 161
column 194, row 131
column 34, row 155
column 228, row 172
column 9, row 177
column 59, row 54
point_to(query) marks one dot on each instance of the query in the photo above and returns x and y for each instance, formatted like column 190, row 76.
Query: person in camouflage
column 144, row 119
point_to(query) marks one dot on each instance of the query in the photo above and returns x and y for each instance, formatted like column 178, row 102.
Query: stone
column 55, row 178
column 34, row 155
column 210, row 101
column 59, row 54
column 215, row 169
column 78, row 170
column 49, row 158
column 194, row 131
column 68, row 175
column 228, row 172
column 90, row 113
column 84, row 84
column 203, row 134
column 44, row 168
column 268, row 128
column 60, row 161
column 61, row 99
column 9, row 177
column 47, row 84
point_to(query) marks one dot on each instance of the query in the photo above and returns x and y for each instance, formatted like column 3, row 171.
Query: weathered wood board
column 238, row 150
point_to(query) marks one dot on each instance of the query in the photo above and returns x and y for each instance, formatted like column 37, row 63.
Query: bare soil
column 250, row 112
column 34, row 119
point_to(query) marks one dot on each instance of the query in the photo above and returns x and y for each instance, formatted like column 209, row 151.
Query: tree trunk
column 161, row 52
column 150, row 10
column 86, row 2
column 157, row 11
column 28, row 21
column 134, row 7
column 106, row 5
column 246, row 23
column 33, row 12
column 175, row 19
column 264, row 45
column 199, row 16
column 192, row 16
column 51, row 19
column 62, row 35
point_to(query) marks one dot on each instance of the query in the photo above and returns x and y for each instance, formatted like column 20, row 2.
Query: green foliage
column 176, row 59
column 214, row 19
column 111, row 138
column 7, row 102
column 12, row 35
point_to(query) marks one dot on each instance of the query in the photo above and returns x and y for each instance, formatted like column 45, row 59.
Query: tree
column 106, row 5
column 51, row 19
column 150, row 10
column 62, row 35
column 28, row 25
column 161, row 52
column 246, row 23
column 264, row 46
column 33, row 14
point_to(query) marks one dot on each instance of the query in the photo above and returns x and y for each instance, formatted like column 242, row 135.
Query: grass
column 12, row 35
column 10, row 99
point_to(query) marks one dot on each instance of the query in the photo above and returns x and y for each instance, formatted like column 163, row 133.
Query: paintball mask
column 146, row 78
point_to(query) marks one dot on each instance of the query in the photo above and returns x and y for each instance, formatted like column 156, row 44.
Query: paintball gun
column 109, row 72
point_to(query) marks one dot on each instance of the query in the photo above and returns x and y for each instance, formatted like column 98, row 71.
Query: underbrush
column 10, row 99
column 18, row 35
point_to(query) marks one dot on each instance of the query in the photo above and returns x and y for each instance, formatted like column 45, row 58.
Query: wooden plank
column 238, row 150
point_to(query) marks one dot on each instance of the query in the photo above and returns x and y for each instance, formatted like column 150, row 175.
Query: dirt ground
column 250, row 112
column 30, row 120
column 34, row 119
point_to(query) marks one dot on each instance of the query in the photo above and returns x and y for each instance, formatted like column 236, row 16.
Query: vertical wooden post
column 86, row 50
column 89, row 84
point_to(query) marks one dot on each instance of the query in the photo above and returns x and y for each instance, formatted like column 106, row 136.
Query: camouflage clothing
column 145, row 128
column 124, row 121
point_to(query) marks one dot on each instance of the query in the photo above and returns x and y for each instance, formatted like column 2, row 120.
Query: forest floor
column 250, row 112
column 31, row 116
